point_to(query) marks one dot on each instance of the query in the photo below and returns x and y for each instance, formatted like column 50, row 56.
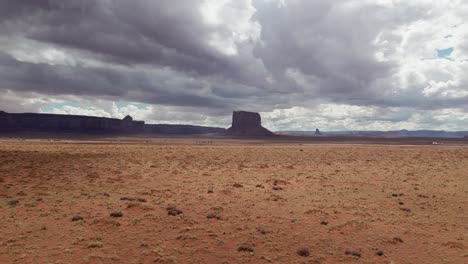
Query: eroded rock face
column 247, row 124
column 52, row 123
column 242, row 119
column 30, row 122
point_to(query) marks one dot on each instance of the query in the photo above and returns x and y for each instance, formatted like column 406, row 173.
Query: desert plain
column 231, row 201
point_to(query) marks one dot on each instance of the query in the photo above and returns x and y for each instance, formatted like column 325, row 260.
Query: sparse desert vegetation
column 182, row 201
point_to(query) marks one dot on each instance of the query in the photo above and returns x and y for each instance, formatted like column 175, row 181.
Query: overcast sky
column 331, row 64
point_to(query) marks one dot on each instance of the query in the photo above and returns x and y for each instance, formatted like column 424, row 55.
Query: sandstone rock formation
column 317, row 132
column 52, row 123
column 247, row 124
column 181, row 129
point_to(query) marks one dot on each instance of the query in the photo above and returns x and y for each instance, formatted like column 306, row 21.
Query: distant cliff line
column 56, row 123
column 395, row 133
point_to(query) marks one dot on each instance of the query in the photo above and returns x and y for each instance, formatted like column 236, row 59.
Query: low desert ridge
column 229, row 201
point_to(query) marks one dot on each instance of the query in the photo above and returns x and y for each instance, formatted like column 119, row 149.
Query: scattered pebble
column 246, row 247
column 353, row 253
column 213, row 216
column 238, row 185
column 303, row 252
column 277, row 188
column 116, row 214
column 405, row 209
column 380, row 253
column 173, row 210
column 324, row 222
column 13, row 202
column 77, row 218
column 398, row 239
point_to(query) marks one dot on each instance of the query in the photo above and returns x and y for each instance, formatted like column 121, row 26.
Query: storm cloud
column 207, row 58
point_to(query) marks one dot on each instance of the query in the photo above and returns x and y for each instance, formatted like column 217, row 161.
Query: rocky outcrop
column 247, row 124
column 317, row 132
column 52, row 123
column 182, row 129
column 30, row 122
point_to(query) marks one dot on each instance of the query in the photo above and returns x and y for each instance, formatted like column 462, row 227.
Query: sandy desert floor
column 195, row 201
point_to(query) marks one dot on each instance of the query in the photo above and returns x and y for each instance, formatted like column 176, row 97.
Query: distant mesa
column 317, row 132
column 53, row 123
column 247, row 124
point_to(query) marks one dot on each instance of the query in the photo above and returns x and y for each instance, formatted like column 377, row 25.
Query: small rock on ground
column 353, row 253
column 116, row 214
column 246, row 247
column 173, row 210
column 13, row 202
column 77, row 218
column 213, row 216
column 303, row 252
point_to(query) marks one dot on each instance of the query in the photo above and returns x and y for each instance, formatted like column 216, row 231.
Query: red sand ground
column 409, row 202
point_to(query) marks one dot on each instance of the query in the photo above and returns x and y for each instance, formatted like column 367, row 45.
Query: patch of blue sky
column 53, row 106
column 444, row 53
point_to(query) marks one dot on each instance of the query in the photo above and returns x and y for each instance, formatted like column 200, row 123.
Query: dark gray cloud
column 259, row 55
column 99, row 81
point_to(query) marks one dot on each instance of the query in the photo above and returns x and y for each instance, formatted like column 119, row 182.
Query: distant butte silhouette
column 247, row 124
column 53, row 123
column 317, row 132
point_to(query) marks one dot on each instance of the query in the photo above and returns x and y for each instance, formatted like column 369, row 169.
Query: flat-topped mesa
column 54, row 123
column 247, row 124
